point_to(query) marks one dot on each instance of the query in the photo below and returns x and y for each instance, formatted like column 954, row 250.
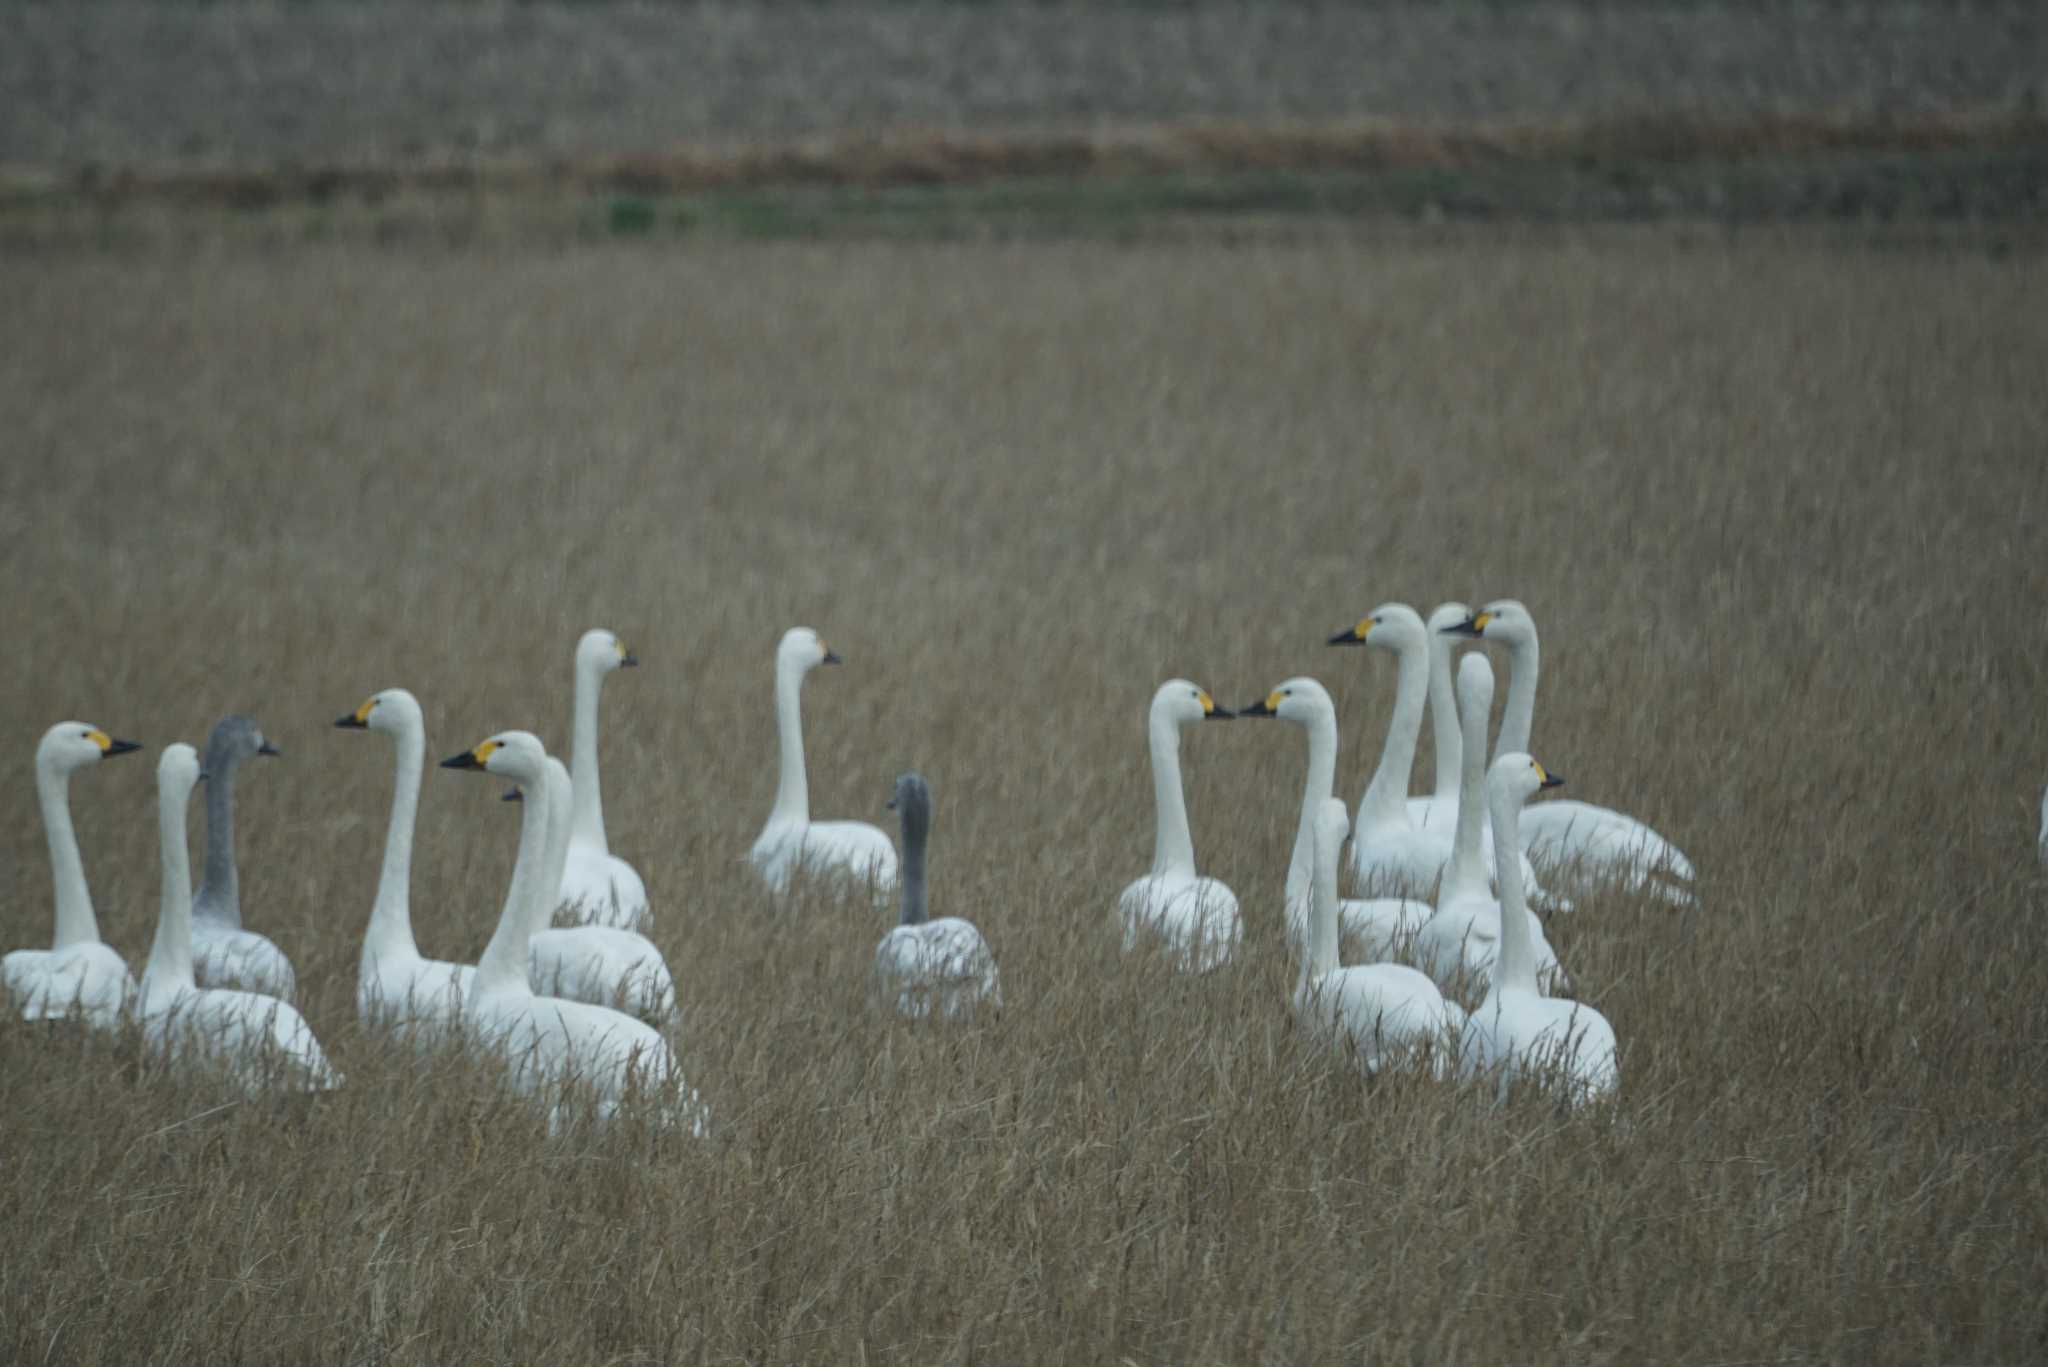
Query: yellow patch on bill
column 1274, row 699
column 101, row 739
column 1479, row 622
column 484, row 752
column 363, row 712
column 1208, row 703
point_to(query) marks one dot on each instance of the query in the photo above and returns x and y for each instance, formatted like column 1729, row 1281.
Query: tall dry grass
column 1776, row 508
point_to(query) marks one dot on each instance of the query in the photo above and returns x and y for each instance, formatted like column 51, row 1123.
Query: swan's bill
column 473, row 759
column 1355, row 635
column 109, row 746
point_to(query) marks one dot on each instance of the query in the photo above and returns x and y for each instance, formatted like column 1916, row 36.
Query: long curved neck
column 391, row 918
column 1321, row 958
column 1320, row 785
column 916, row 830
column 1173, row 848
column 220, row 899
column 1467, row 874
column 1520, row 714
column 1516, row 966
column 75, row 921
column 588, row 799
column 1386, row 797
column 561, row 827
column 503, row 965
column 170, row 956
column 792, row 790
column 1443, row 718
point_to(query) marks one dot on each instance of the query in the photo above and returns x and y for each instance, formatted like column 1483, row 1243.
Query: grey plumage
column 913, row 804
column 235, row 739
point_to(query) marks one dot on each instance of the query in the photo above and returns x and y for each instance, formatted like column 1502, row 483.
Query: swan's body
column 397, row 987
column 79, row 976
column 598, row 887
column 1197, row 918
column 845, row 849
column 224, row 954
column 1457, row 946
column 1517, row 1031
column 605, row 965
column 1575, row 841
column 1375, row 927
column 1387, row 1013
column 258, row 1040
column 548, row 1043
column 925, row 967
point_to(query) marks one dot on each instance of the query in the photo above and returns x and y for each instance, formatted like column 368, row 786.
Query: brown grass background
column 1775, row 506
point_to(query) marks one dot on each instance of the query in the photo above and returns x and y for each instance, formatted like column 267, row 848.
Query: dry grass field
column 1777, row 508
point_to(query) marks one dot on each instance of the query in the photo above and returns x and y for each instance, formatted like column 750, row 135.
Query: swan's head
column 1390, row 626
column 912, row 800
column 1520, row 777
column 602, row 652
column 801, row 649
column 1299, row 700
column 517, row 755
column 71, row 745
column 1181, row 702
column 1503, row 620
column 177, row 771
column 235, row 738
column 1475, row 684
column 393, row 711
column 1449, row 619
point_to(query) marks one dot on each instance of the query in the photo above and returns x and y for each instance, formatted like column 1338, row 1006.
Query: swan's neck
column 792, row 790
column 220, row 898
column 1386, row 797
column 561, row 827
column 391, row 918
column 1467, row 875
column 1443, row 718
column 1173, row 848
column 1321, row 784
column 170, row 957
column 1515, row 968
column 589, row 801
column 503, row 965
column 911, row 873
column 1519, row 716
column 1321, row 958
column 75, row 921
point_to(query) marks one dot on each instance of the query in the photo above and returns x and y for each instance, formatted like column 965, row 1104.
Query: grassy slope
column 1776, row 508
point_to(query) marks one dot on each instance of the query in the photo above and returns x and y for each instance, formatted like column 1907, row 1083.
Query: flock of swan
column 592, row 1003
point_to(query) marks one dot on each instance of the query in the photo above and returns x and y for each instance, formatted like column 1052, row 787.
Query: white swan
column 79, row 976
column 1386, row 850
column 223, row 953
column 1518, row 1031
column 397, row 986
column 598, row 886
column 1457, row 945
column 927, row 967
column 258, row 1040
column 1197, row 917
column 1574, row 838
column 548, row 1043
column 1377, row 927
column 851, row 849
column 604, row 965
column 1388, row 1013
